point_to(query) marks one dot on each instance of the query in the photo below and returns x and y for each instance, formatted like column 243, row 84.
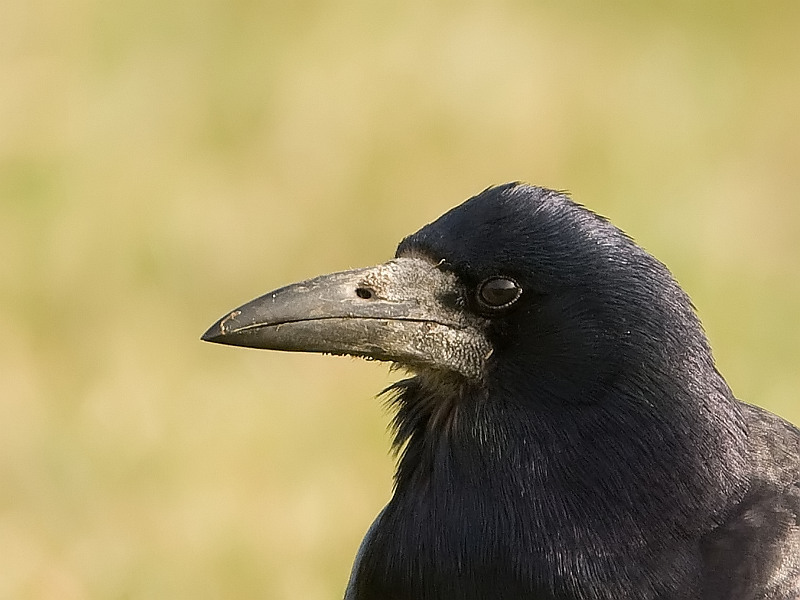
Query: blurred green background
column 163, row 162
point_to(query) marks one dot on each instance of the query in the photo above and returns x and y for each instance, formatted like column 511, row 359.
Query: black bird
column 565, row 434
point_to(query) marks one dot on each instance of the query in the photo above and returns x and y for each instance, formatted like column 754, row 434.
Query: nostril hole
column 364, row 293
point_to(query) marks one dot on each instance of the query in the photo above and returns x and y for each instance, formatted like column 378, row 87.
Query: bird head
column 518, row 281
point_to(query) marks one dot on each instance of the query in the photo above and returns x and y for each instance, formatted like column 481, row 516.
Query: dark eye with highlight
column 498, row 292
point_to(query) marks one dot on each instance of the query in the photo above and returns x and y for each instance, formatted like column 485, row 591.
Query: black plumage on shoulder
column 565, row 434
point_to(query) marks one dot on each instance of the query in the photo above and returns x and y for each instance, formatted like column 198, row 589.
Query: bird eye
column 498, row 292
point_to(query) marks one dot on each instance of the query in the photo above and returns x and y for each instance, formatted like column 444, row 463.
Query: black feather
column 601, row 455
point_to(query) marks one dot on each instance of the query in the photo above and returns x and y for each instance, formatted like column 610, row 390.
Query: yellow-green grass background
column 162, row 162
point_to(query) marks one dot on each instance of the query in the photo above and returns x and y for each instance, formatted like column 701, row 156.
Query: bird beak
column 403, row 311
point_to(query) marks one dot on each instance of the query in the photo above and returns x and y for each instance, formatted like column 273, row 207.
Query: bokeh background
column 164, row 161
